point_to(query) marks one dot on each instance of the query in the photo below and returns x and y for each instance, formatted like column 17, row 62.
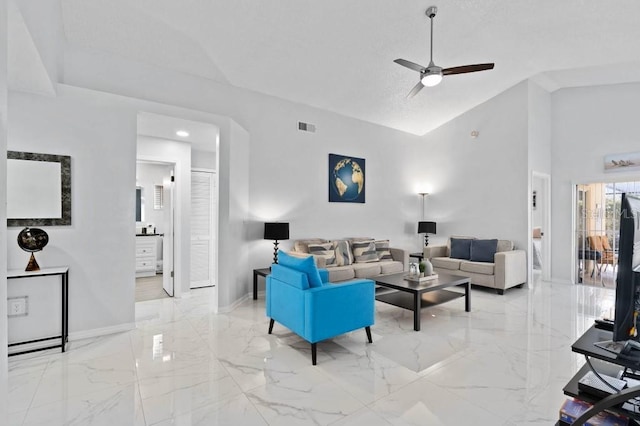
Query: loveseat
column 351, row 258
column 489, row 263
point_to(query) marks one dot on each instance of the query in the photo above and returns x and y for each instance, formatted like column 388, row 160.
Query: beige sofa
column 509, row 268
column 368, row 265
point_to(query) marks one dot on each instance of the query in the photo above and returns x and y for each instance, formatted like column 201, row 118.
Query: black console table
column 263, row 272
column 585, row 346
column 63, row 272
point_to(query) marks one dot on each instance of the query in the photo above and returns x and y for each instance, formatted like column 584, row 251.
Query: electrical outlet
column 18, row 306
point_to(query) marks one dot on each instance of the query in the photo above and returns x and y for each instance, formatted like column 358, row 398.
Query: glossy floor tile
column 503, row 363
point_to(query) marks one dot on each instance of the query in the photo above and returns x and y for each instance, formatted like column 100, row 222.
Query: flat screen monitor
column 628, row 278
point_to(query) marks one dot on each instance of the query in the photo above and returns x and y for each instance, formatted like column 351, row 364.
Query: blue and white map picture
column 346, row 179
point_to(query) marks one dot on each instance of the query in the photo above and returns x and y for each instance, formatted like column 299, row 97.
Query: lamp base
column 275, row 252
column 426, row 240
column 32, row 265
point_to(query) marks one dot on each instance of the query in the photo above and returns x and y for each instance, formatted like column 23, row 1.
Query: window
column 157, row 197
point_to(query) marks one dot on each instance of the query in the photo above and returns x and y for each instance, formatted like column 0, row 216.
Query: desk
column 263, row 272
column 63, row 271
column 585, row 346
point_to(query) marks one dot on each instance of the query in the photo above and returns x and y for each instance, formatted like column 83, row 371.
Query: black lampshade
column 426, row 227
column 276, row 231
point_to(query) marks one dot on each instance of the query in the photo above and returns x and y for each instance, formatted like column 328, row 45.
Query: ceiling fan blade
column 410, row 65
column 467, row 68
column 418, row 87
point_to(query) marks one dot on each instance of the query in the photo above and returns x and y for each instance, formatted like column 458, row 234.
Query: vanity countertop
column 149, row 235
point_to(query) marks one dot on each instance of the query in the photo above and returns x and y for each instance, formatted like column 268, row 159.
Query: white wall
column 179, row 153
column 588, row 123
column 203, row 159
column 3, row 208
column 539, row 128
column 99, row 245
column 478, row 186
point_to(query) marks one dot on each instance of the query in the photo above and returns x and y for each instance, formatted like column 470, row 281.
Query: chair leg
column 368, row 330
column 313, row 353
column 271, row 321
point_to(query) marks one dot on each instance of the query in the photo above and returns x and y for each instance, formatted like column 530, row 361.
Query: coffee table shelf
column 405, row 300
column 395, row 290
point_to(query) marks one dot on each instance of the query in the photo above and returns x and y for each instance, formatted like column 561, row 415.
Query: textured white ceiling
column 338, row 55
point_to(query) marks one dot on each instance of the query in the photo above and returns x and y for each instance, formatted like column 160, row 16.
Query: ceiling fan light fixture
column 431, row 79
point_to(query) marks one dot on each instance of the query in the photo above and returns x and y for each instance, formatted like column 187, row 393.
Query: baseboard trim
column 231, row 307
column 103, row 331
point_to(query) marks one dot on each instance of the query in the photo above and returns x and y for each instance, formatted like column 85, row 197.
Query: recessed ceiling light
column 182, row 133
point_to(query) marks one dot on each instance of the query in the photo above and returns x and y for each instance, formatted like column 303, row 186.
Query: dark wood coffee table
column 415, row 296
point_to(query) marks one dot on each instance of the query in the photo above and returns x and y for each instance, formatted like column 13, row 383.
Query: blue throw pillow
column 302, row 264
column 483, row 250
column 461, row 248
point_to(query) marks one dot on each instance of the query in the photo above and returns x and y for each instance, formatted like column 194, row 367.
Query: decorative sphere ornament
column 32, row 240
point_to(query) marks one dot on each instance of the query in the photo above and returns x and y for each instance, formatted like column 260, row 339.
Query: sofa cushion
column 364, row 251
column 306, row 265
column 461, row 248
column 446, row 263
column 484, row 268
column 366, row 270
column 343, row 253
column 459, row 237
column 302, row 246
column 383, row 251
column 290, row 276
column 391, row 267
column 341, row 273
column 504, row 245
column 483, row 250
column 324, row 251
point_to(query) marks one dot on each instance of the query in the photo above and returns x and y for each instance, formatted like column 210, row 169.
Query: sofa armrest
column 400, row 255
column 510, row 268
column 430, row 252
column 338, row 308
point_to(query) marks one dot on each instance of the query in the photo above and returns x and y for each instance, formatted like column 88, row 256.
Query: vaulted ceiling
column 338, row 55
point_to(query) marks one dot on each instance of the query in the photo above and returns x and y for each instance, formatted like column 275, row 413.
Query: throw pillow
column 364, row 251
column 302, row 264
column 324, row 251
column 461, row 248
column 343, row 253
column 483, row 250
column 382, row 250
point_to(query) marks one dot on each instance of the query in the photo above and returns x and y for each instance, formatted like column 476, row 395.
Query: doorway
column 540, row 232
column 597, row 227
column 154, row 230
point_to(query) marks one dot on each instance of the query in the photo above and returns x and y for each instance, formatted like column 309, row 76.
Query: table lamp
column 276, row 231
column 426, row 228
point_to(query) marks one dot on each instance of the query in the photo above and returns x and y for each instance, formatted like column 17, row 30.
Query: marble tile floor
column 504, row 363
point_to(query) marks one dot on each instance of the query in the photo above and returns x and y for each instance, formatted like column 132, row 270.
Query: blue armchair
column 300, row 298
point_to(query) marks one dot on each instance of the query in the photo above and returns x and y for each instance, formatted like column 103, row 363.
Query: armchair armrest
column 510, row 268
column 400, row 255
column 430, row 252
column 338, row 308
column 324, row 275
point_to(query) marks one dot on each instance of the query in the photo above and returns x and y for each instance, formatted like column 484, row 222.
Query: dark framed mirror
column 38, row 189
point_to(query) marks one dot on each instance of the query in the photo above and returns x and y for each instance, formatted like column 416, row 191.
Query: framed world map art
column 346, row 179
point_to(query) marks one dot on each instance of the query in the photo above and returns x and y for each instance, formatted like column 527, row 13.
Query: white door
column 167, row 240
column 203, row 212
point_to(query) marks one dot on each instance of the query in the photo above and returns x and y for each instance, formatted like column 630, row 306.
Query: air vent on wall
column 306, row 127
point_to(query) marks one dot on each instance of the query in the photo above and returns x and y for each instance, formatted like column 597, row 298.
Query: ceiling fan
column 432, row 75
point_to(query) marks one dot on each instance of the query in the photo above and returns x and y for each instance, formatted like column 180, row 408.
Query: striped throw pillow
column 364, row 251
column 382, row 249
column 343, row 253
column 324, row 251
